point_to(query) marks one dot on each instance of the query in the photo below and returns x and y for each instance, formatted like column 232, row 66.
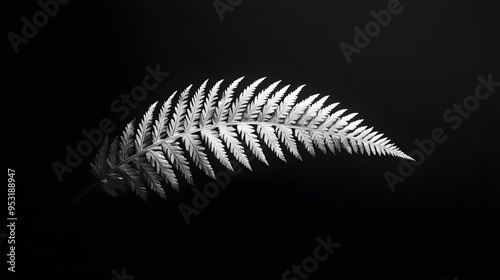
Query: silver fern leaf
column 205, row 122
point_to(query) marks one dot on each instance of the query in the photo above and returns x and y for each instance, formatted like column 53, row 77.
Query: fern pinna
column 186, row 129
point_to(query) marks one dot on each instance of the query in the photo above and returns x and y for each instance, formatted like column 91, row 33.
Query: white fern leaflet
column 223, row 124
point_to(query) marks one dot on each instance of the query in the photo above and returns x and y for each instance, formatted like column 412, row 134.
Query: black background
column 442, row 222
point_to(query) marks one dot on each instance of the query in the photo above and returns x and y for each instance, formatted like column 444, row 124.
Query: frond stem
column 207, row 127
column 213, row 126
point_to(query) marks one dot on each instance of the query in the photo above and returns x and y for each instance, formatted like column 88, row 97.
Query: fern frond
column 212, row 139
column 163, row 167
column 99, row 164
column 144, row 130
column 112, row 157
column 132, row 179
column 269, row 108
column 229, row 136
column 311, row 111
column 126, row 141
column 253, row 108
column 149, row 175
column 196, row 151
column 286, row 136
column 286, row 105
column 222, row 109
column 160, row 127
column 193, row 113
column 179, row 113
column 187, row 130
column 268, row 134
column 247, row 132
column 176, row 156
column 239, row 105
column 210, row 101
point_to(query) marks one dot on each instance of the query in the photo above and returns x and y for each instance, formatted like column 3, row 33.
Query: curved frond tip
column 220, row 123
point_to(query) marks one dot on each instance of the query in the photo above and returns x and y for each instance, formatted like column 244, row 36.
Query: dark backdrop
column 442, row 222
